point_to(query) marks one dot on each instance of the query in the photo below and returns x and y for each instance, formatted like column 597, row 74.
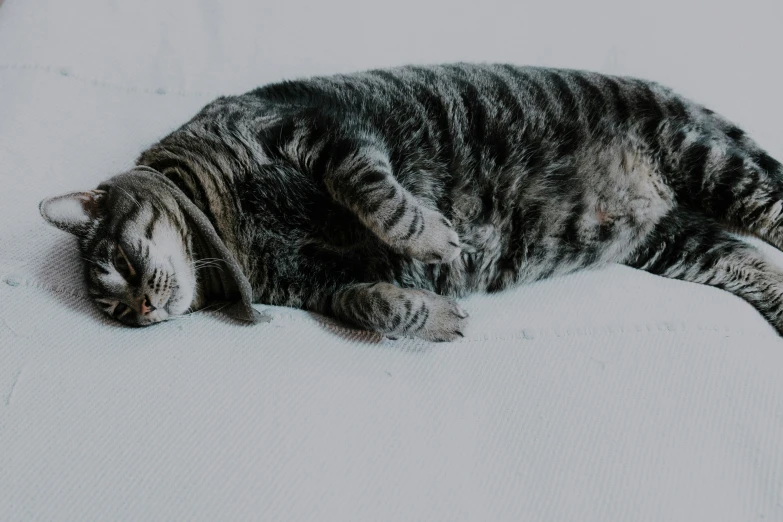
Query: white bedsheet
column 609, row 395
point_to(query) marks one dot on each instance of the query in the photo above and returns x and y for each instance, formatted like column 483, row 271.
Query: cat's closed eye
column 120, row 310
column 122, row 264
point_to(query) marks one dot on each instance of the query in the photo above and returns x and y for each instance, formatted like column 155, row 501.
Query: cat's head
column 137, row 254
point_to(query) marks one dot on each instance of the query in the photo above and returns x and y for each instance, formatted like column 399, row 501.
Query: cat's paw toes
column 412, row 312
column 438, row 242
column 446, row 322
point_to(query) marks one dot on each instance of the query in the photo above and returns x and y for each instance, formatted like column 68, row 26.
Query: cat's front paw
column 438, row 242
column 445, row 318
column 447, row 323
column 400, row 312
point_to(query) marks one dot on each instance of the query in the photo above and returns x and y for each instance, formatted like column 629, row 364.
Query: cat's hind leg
column 397, row 312
column 691, row 247
column 759, row 206
column 732, row 179
column 359, row 176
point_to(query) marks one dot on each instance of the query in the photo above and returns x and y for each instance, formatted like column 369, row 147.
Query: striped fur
column 379, row 197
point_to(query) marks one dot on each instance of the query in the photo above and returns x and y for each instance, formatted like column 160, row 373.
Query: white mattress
column 609, row 395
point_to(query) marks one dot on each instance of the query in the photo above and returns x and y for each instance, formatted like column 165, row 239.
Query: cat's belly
column 613, row 204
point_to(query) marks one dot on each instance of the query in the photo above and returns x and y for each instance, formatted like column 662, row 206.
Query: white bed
column 603, row 396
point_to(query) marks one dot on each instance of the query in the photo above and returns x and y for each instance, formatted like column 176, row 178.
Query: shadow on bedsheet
column 60, row 275
column 344, row 331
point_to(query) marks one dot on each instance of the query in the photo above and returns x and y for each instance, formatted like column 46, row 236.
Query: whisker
column 96, row 263
column 209, row 266
column 130, row 196
column 201, row 263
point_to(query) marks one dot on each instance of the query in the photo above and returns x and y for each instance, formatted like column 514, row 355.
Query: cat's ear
column 74, row 212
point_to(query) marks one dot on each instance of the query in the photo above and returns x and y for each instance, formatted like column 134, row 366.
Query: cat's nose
column 146, row 306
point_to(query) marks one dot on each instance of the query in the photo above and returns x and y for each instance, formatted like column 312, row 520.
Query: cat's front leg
column 359, row 177
column 397, row 312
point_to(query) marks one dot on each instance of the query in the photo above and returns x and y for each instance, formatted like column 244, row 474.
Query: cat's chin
column 179, row 304
column 158, row 316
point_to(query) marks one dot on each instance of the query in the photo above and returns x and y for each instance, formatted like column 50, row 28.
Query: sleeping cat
column 380, row 197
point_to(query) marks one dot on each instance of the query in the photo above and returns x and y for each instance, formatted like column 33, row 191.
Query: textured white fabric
column 609, row 395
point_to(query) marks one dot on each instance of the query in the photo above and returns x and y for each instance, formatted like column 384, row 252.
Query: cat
column 380, row 197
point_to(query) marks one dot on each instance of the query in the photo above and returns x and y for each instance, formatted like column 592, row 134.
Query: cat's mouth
column 150, row 316
column 155, row 317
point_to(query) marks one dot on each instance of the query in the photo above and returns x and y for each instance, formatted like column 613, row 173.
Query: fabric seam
column 65, row 72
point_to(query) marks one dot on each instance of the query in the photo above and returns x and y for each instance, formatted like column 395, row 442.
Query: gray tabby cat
column 379, row 197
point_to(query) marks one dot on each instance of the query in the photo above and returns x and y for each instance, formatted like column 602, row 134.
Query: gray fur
column 379, row 197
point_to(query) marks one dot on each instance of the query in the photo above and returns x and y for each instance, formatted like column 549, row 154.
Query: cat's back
column 399, row 88
column 479, row 117
column 508, row 88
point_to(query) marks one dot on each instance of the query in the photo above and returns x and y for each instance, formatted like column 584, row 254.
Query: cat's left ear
column 74, row 212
